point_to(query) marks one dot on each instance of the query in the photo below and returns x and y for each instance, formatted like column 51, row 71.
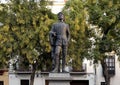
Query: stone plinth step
column 59, row 79
column 59, row 76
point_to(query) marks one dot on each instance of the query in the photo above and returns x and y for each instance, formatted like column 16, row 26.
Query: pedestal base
column 59, row 79
column 59, row 83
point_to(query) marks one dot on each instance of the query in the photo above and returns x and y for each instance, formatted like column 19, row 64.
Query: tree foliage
column 25, row 30
column 76, row 15
column 105, row 15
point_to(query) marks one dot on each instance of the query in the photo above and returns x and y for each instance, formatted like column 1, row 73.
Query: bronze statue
column 59, row 38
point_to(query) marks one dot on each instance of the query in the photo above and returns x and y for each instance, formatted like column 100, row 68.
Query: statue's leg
column 57, row 51
column 64, row 53
column 53, row 57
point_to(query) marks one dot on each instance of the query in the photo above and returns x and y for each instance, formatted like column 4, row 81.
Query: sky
column 3, row 1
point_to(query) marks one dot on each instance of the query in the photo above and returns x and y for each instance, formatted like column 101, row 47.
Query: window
column 1, row 83
column 110, row 61
column 103, row 83
column 24, row 82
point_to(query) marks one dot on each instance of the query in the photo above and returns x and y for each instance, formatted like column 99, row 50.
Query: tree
column 4, row 59
column 75, row 16
column 105, row 15
column 93, row 42
column 25, row 33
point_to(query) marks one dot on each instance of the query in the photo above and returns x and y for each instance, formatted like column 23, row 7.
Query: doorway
column 79, row 82
column 24, row 82
column 1, row 83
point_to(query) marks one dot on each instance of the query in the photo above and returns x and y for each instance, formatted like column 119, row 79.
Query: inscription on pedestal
column 59, row 79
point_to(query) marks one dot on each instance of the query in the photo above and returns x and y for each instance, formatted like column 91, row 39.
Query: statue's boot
column 56, row 69
column 63, row 64
column 53, row 63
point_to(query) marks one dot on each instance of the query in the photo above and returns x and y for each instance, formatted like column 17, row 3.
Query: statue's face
column 60, row 16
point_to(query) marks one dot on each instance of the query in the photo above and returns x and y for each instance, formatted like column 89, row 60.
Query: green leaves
column 92, row 19
column 25, row 30
column 76, row 14
column 104, row 15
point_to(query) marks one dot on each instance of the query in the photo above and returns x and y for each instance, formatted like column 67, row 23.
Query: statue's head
column 61, row 16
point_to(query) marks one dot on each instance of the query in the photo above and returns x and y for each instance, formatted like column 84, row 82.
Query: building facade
column 90, row 75
column 57, row 5
column 4, row 78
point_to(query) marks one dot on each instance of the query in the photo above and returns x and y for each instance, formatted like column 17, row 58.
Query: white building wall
column 99, row 74
column 115, row 80
column 57, row 6
column 90, row 70
column 39, row 80
column 89, row 66
column 94, row 79
column 14, row 79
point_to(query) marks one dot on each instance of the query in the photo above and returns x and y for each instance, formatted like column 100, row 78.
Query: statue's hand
column 53, row 33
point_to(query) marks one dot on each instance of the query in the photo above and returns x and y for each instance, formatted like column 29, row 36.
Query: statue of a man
column 59, row 38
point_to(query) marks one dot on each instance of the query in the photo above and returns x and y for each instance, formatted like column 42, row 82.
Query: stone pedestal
column 59, row 79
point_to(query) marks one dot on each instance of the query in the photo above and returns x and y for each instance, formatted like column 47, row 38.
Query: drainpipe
column 95, row 75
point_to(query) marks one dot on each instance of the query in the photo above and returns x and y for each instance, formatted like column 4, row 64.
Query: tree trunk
column 105, row 72
column 32, row 75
